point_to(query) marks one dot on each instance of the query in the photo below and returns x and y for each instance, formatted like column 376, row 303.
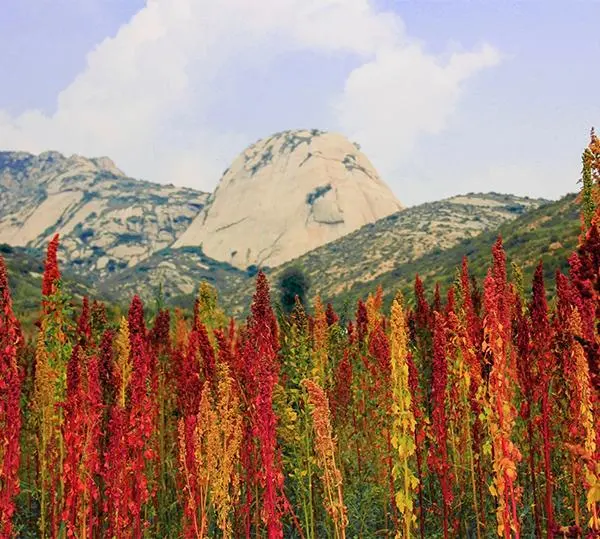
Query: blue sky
column 444, row 96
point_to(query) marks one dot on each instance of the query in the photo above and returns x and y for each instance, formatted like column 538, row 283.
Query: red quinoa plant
column 10, row 409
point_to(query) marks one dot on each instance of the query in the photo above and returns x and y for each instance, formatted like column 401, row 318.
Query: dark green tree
column 291, row 283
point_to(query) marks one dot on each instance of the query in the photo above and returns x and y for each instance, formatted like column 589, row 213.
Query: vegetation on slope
column 548, row 233
column 25, row 269
column 175, row 276
column 427, row 238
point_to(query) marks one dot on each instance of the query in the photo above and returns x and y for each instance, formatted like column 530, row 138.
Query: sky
column 444, row 96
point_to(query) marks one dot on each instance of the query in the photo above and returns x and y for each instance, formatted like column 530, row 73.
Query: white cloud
column 401, row 94
column 145, row 94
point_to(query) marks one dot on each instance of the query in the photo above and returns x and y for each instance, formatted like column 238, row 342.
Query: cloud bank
column 149, row 96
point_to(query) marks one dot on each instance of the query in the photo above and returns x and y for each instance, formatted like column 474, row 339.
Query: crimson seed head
column 10, row 410
column 362, row 321
column 331, row 315
column 136, row 317
column 379, row 348
column 84, row 327
column 422, row 314
column 51, row 273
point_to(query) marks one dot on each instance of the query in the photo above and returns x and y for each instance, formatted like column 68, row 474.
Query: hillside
column 176, row 273
column 376, row 249
column 25, row 269
column 370, row 251
column 548, row 233
column 107, row 221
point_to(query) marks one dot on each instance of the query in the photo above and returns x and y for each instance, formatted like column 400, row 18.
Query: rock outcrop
column 288, row 194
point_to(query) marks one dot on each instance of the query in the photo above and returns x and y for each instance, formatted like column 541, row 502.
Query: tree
column 292, row 282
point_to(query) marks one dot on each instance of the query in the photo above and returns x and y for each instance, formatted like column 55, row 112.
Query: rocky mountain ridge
column 548, row 233
column 303, row 198
column 107, row 221
column 283, row 196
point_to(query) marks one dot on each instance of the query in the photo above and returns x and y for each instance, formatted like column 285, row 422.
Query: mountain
column 122, row 236
column 323, row 185
column 107, row 220
column 288, row 194
column 335, row 267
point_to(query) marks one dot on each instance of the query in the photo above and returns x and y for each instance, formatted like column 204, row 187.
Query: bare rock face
column 107, row 221
column 286, row 195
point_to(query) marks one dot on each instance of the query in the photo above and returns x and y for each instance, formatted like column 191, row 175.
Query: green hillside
column 548, row 233
column 25, row 269
column 175, row 274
